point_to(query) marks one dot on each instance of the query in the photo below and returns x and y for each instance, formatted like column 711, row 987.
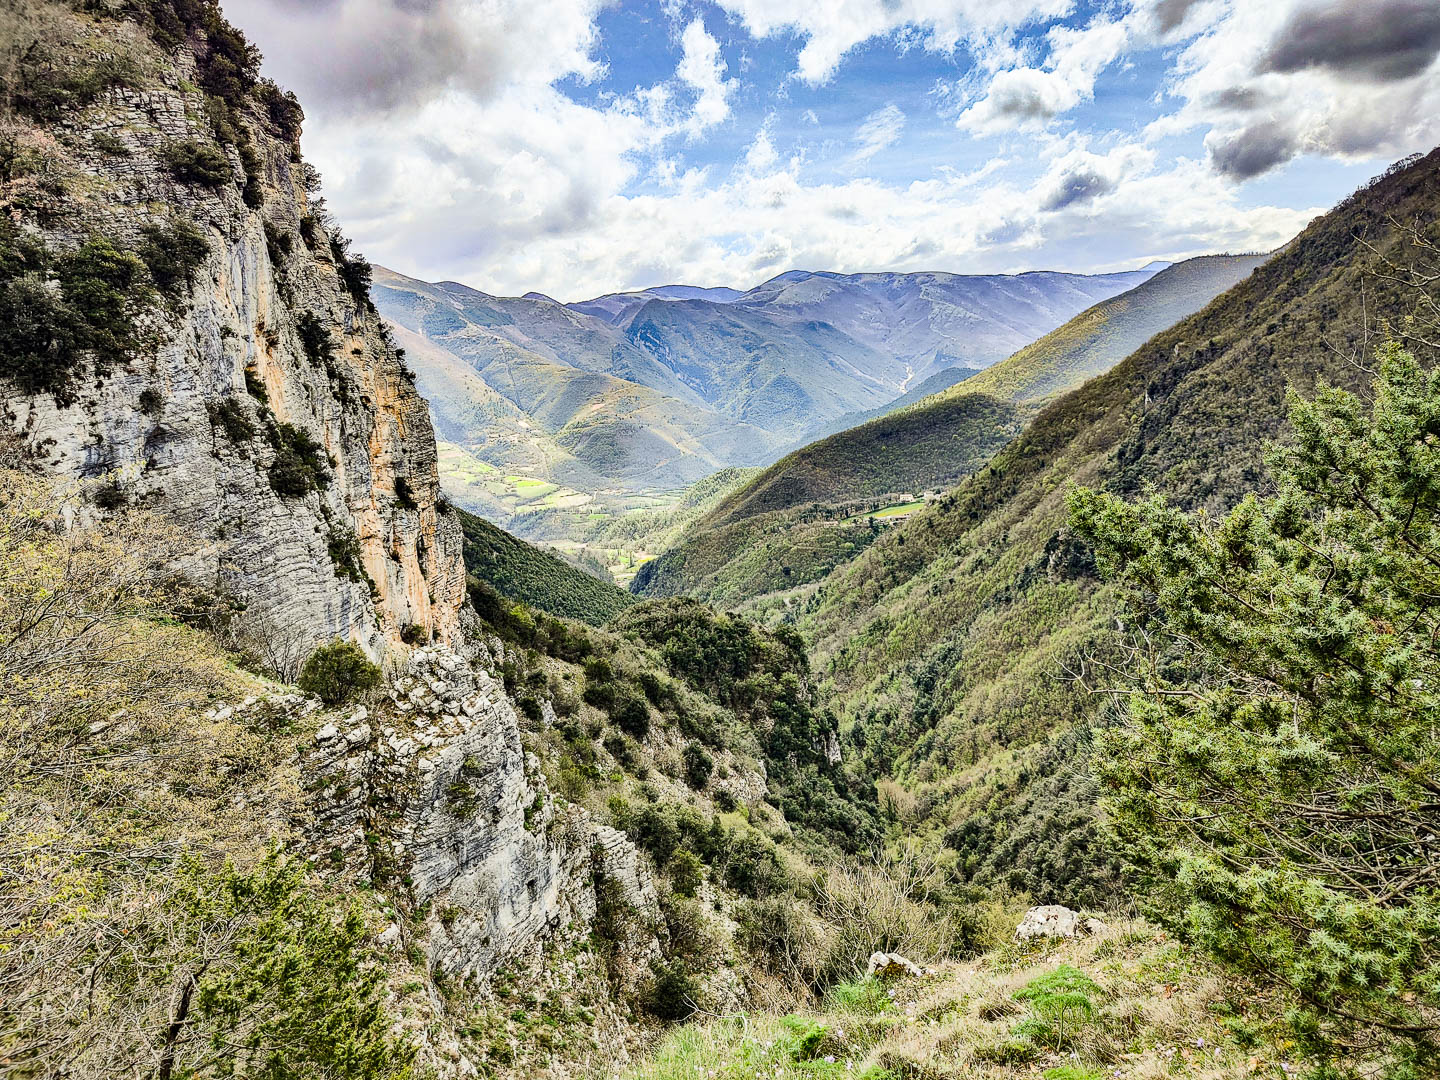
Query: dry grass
column 1156, row 1010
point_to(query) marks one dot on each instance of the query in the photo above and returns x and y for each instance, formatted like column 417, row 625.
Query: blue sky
column 578, row 146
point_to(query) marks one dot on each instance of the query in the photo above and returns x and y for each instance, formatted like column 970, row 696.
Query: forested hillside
column 951, row 646
column 797, row 519
column 535, row 576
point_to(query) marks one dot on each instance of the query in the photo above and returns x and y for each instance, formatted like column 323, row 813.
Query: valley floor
column 1127, row 1002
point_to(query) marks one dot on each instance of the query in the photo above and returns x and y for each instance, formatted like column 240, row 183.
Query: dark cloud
column 368, row 56
column 1237, row 99
column 1169, row 14
column 1379, row 40
column 1078, row 186
column 1255, row 150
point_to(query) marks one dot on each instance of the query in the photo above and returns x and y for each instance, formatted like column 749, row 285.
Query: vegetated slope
column 786, row 527
column 1078, row 1010
column 929, row 444
column 1100, row 337
column 525, row 572
column 948, row 644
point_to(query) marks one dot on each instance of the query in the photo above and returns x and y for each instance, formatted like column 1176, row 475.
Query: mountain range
column 606, row 401
column 793, row 522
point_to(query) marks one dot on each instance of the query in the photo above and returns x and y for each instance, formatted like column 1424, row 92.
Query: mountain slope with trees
column 952, row 644
column 787, row 517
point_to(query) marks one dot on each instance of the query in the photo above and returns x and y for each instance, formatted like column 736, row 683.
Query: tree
column 337, row 672
column 1276, row 771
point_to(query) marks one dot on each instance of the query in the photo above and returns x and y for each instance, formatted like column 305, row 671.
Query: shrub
column 630, row 713
column 343, row 547
column 698, row 765
column 337, row 672
column 299, row 465
column 777, row 930
column 1060, row 1001
column 150, row 402
column 193, row 162
column 404, row 495
column 230, row 417
column 866, row 996
column 686, row 872
column 173, row 252
column 278, row 244
column 315, row 339
column 670, row 995
column 414, row 634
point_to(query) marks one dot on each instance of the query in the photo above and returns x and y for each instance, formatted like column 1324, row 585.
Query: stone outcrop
column 365, row 554
column 434, row 788
column 892, row 966
column 1055, row 921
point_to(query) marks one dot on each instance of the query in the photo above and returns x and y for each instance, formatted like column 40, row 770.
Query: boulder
column 1049, row 921
column 892, row 966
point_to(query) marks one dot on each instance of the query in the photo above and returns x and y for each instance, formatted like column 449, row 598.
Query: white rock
column 359, row 735
column 1049, row 920
column 390, row 936
column 326, row 733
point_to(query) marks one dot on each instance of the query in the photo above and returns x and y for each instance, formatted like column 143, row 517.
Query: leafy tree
column 270, row 984
column 335, row 673
column 1277, row 773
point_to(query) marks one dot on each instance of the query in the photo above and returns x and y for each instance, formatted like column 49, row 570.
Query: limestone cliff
column 243, row 383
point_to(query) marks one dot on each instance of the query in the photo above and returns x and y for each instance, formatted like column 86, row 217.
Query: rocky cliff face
column 259, row 402
column 430, row 797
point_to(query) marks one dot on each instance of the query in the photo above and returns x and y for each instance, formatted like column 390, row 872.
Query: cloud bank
column 516, row 145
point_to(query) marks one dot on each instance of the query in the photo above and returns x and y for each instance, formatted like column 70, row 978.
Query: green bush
column 193, row 162
column 57, row 310
column 686, row 872
column 230, row 416
column 671, row 992
column 631, row 713
column 1060, row 1001
column 300, row 463
column 1284, row 724
column 698, row 765
column 337, row 672
column 173, row 252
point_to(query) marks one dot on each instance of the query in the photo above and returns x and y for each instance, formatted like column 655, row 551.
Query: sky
column 577, row 147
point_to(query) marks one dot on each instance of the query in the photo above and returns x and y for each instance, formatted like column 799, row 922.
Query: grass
column 1152, row 1009
column 898, row 510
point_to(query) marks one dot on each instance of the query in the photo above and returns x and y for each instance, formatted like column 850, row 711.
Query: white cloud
column 880, row 129
column 832, row 29
column 1269, row 82
column 1033, row 96
column 464, row 157
column 703, row 69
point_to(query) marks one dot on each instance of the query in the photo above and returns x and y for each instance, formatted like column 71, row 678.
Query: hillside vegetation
column 952, row 644
column 785, row 516
column 530, row 574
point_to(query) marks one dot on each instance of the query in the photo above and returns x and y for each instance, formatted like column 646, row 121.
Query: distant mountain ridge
column 644, row 392
column 787, row 514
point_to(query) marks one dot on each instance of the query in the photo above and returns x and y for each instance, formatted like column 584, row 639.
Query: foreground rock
column 1055, row 921
column 893, row 966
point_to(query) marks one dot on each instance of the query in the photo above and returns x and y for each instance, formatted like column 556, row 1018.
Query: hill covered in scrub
column 949, row 645
column 788, row 516
column 535, row 576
